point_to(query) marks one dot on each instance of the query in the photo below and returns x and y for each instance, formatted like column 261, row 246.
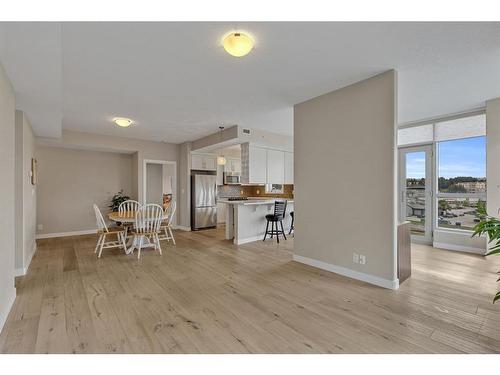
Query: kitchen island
column 246, row 219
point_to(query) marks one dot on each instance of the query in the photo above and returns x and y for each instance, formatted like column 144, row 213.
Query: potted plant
column 491, row 226
column 118, row 199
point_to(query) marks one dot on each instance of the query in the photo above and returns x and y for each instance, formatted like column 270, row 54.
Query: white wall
column 7, row 196
column 71, row 181
column 345, row 180
column 168, row 174
column 25, row 194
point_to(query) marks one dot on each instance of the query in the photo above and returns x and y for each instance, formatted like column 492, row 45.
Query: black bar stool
column 291, row 227
column 277, row 217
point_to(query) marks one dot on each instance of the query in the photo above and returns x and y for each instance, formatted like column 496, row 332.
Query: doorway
column 159, row 182
column 416, row 191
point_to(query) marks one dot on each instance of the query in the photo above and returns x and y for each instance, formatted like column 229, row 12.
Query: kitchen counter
column 252, row 201
column 246, row 219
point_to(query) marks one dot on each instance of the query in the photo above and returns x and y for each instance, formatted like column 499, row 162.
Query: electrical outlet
column 362, row 259
column 258, row 191
column 355, row 258
column 39, row 227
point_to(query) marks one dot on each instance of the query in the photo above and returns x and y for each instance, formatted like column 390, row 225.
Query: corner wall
column 345, row 180
column 493, row 156
column 7, row 189
column 25, row 195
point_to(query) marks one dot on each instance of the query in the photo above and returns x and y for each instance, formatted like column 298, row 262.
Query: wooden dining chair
column 147, row 226
column 103, row 231
column 128, row 209
column 166, row 225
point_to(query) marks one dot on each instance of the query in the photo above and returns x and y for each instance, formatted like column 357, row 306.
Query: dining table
column 128, row 217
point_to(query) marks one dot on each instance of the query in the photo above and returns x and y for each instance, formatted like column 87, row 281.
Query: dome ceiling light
column 237, row 43
column 123, row 122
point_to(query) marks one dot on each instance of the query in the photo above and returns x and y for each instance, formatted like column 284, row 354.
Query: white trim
column 66, row 234
column 465, row 249
column 4, row 313
column 20, row 271
column 249, row 239
column 182, row 227
column 375, row 280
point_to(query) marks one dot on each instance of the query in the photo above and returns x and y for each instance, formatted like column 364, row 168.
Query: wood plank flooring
column 206, row 295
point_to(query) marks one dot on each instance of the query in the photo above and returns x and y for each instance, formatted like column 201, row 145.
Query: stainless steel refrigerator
column 203, row 201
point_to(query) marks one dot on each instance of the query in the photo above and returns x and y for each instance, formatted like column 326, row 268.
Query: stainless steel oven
column 232, row 178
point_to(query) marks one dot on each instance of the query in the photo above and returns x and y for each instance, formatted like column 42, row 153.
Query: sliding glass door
column 416, row 191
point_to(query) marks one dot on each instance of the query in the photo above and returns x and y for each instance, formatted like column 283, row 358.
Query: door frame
column 429, row 189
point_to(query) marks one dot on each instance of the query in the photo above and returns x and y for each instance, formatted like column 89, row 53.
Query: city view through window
column 461, row 170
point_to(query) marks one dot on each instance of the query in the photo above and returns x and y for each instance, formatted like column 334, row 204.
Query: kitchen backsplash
column 225, row 191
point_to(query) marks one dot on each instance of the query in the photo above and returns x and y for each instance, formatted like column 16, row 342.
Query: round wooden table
column 129, row 218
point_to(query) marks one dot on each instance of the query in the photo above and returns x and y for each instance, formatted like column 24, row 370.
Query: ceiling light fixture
column 237, row 44
column 123, row 122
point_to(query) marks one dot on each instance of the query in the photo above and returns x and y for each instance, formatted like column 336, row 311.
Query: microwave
column 232, row 178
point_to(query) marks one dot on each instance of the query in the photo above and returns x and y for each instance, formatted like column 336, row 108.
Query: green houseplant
column 491, row 226
column 117, row 199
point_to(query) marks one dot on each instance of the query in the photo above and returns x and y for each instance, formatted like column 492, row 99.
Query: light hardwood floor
column 206, row 295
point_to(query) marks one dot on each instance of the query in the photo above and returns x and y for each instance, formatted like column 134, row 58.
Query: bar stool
column 274, row 219
column 292, row 229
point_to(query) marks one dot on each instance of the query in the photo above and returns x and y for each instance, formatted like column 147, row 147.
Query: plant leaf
column 497, row 297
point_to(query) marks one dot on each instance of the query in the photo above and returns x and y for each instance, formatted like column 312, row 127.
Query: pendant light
column 221, row 160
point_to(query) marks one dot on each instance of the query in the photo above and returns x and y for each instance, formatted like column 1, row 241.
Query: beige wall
column 71, row 181
column 154, row 183
column 7, row 211
column 25, row 194
column 345, row 179
column 184, row 173
column 493, row 156
column 144, row 149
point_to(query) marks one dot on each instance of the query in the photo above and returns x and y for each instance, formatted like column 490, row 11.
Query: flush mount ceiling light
column 237, row 43
column 123, row 122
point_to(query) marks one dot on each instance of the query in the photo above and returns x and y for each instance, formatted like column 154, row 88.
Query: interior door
column 415, row 190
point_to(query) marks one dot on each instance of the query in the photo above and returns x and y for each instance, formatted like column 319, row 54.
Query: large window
column 461, row 171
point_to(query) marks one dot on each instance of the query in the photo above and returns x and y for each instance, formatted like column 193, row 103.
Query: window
column 461, row 182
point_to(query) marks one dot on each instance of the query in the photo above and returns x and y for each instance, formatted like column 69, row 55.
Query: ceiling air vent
column 246, row 131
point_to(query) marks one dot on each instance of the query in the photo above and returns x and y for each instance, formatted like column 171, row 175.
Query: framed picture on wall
column 34, row 172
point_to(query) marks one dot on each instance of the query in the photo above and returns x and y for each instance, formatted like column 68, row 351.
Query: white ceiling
column 178, row 84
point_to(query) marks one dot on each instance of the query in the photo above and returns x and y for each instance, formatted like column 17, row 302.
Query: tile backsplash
column 225, row 191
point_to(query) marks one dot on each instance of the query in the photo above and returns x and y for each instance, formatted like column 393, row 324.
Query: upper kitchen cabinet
column 275, row 167
column 232, row 165
column 204, row 162
column 253, row 164
column 288, row 168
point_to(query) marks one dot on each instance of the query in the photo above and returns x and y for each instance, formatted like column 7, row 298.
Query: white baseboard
column 5, row 309
column 23, row 270
column 465, row 249
column 375, row 280
column 182, row 227
column 66, row 234
column 247, row 240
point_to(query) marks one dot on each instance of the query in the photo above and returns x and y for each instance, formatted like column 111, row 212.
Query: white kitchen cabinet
column 204, row 162
column 257, row 162
column 288, row 168
column 232, row 165
column 220, row 175
column 221, row 213
column 275, row 167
